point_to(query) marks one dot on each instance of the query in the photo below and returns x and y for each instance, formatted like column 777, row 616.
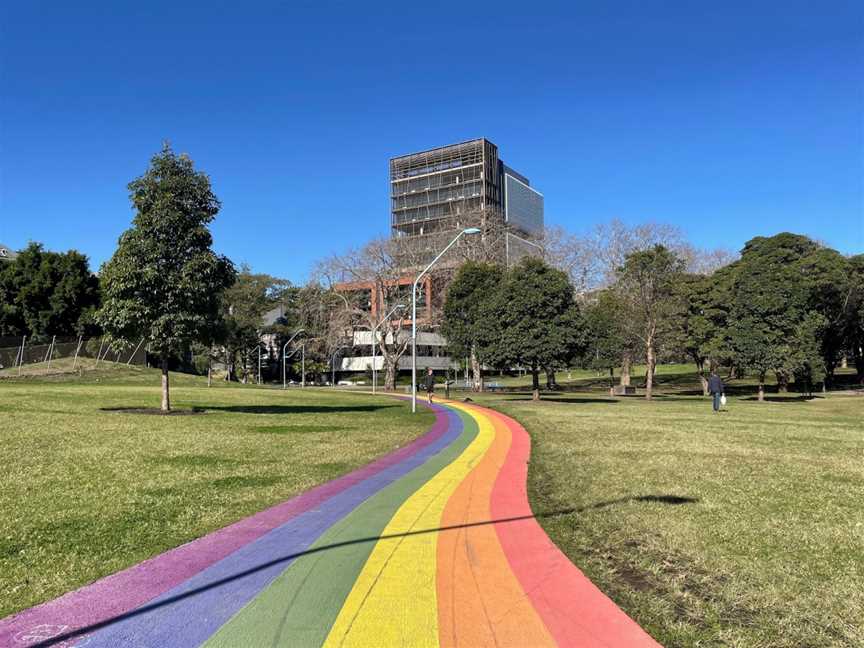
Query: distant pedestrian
column 716, row 389
column 429, row 384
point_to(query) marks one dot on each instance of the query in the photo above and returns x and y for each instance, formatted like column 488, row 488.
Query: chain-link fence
column 65, row 355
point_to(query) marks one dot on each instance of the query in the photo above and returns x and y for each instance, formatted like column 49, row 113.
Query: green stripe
column 301, row 605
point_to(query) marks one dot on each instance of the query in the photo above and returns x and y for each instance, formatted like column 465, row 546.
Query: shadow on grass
column 785, row 399
column 296, row 409
column 282, row 560
column 153, row 411
column 552, row 399
column 295, row 429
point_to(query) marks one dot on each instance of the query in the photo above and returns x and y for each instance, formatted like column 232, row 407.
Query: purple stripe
column 213, row 596
column 126, row 590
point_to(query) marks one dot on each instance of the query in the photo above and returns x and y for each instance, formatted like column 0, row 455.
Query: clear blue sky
column 728, row 119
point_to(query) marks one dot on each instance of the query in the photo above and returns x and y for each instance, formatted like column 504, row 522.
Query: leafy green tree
column 532, row 320
column 605, row 335
column 164, row 283
column 827, row 278
column 464, row 310
column 651, row 305
column 243, row 308
column 774, row 324
column 705, row 323
column 45, row 293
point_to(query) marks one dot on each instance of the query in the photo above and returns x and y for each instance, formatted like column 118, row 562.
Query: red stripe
column 574, row 610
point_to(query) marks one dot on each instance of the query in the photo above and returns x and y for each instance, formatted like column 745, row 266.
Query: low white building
column 431, row 352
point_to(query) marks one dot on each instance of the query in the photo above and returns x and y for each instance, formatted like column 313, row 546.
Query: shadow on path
column 672, row 500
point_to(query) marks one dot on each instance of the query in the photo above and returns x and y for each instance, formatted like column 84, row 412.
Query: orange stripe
column 480, row 601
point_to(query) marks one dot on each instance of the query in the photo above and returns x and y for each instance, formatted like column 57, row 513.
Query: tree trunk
column 476, row 372
column 551, row 383
column 611, row 378
column 844, row 363
column 166, row 401
column 649, row 371
column 209, row 370
column 535, row 383
column 625, row 370
column 389, row 375
column 782, row 382
column 700, row 372
column 761, row 388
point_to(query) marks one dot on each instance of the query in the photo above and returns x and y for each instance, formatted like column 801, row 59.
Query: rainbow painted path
column 434, row 544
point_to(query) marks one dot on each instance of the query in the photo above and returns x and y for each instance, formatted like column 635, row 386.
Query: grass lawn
column 87, row 492
column 739, row 529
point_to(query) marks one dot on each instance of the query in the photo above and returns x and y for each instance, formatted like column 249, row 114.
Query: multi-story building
column 435, row 194
column 6, row 253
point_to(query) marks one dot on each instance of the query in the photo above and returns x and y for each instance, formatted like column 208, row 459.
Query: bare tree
column 370, row 282
column 594, row 260
column 575, row 255
column 705, row 262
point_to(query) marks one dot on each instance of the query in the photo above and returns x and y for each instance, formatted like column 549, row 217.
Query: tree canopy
column 164, row 283
column 44, row 293
column 531, row 320
column 650, row 301
column 464, row 310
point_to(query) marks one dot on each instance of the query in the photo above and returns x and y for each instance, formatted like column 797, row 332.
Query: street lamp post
column 284, row 349
column 375, row 335
column 303, row 364
column 469, row 230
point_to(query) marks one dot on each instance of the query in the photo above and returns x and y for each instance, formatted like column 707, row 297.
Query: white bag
column 723, row 399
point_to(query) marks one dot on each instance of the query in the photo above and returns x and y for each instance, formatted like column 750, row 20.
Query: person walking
column 429, row 384
column 716, row 389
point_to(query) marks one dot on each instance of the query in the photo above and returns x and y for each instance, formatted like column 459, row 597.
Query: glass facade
column 523, row 206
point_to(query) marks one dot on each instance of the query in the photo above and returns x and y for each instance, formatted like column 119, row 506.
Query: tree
column 774, row 324
column 243, row 308
column 606, row 338
column 593, row 260
column 828, row 281
column 650, row 301
column 705, row 321
column 164, row 283
column 531, row 320
column 45, row 293
column 464, row 310
column 370, row 282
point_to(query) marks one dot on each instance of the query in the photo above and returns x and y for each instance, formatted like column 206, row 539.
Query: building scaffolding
column 436, row 193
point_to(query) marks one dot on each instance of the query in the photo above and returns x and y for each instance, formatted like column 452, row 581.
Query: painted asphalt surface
column 432, row 545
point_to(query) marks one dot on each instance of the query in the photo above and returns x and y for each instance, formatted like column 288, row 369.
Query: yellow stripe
column 394, row 600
